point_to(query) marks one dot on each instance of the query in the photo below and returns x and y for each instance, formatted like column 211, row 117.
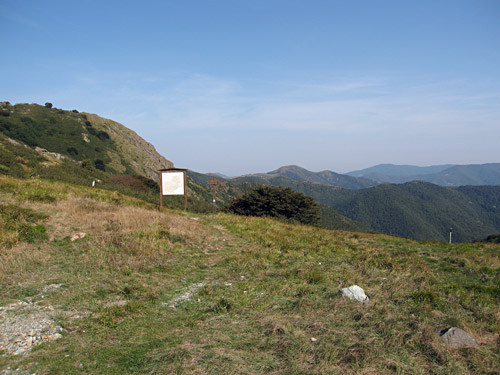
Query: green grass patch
column 18, row 224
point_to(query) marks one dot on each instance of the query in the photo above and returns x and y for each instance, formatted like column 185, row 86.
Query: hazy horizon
column 241, row 86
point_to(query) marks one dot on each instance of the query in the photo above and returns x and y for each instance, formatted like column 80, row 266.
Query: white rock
column 354, row 292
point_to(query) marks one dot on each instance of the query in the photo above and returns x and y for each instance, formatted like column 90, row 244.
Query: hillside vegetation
column 417, row 210
column 282, row 203
column 153, row 292
column 83, row 137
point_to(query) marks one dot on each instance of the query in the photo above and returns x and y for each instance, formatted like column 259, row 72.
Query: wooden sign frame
column 178, row 189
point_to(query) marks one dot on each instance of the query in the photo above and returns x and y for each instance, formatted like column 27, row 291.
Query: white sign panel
column 172, row 183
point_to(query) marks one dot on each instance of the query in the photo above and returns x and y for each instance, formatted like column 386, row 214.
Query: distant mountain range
column 297, row 173
column 398, row 170
column 444, row 175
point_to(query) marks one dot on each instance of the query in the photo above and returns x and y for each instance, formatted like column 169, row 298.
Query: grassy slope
column 130, row 149
column 82, row 136
column 268, row 288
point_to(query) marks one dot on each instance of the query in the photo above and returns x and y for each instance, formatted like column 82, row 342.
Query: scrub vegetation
column 151, row 291
column 281, row 203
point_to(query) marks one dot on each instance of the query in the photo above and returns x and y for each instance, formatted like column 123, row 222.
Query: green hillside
column 84, row 137
column 146, row 291
column 422, row 210
column 417, row 210
column 51, row 143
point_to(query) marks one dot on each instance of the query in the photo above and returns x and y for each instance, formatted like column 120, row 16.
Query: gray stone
column 457, row 338
column 55, row 336
column 354, row 292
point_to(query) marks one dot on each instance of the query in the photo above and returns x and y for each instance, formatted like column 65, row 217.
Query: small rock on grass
column 354, row 292
column 457, row 338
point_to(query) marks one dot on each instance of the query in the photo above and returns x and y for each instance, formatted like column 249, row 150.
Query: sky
column 246, row 86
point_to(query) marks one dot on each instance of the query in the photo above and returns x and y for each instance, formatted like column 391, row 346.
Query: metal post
column 215, row 202
column 451, row 231
column 185, row 192
column 214, row 184
column 161, row 190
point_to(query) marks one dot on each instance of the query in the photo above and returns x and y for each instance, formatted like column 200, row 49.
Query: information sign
column 172, row 183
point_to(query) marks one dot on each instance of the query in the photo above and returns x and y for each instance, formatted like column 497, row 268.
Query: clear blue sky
column 241, row 86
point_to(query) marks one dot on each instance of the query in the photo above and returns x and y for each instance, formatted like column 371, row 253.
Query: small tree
column 99, row 164
column 48, row 105
column 87, row 164
column 102, row 135
column 72, row 151
column 282, row 203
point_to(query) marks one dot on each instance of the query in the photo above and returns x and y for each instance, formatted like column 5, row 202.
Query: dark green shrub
column 282, row 203
column 87, row 164
column 103, row 135
column 99, row 164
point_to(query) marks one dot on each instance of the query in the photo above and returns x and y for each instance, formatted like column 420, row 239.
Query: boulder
column 457, row 338
column 354, row 292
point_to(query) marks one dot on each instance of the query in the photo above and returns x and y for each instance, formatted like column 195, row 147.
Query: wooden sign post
column 173, row 182
column 214, row 184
